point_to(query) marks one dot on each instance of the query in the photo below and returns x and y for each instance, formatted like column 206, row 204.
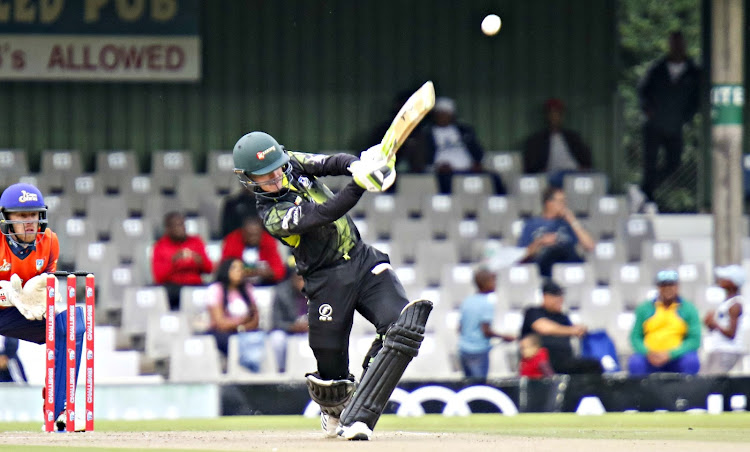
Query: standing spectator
column 237, row 206
column 476, row 331
column 668, row 95
column 553, row 237
column 453, row 147
column 534, row 358
column 179, row 259
column 555, row 150
column 724, row 341
column 11, row 368
column 257, row 249
column 556, row 330
column 233, row 311
column 667, row 331
column 289, row 315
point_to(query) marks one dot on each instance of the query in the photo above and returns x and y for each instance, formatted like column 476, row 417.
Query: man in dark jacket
column 555, row 150
column 669, row 98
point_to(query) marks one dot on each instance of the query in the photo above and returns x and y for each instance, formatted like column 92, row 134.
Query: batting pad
column 331, row 395
column 400, row 345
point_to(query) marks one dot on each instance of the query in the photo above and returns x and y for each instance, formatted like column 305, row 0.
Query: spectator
column 556, row 330
column 178, row 259
column 555, row 150
column 724, row 341
column 667, row 331
column 476, row 331
column 257, row 249
column 534, row 358
column 233, row 311
column 11, row 368
column 237, row 206
column 453, row 148
column 553, row 237
column 668, row 95
column 289, row 315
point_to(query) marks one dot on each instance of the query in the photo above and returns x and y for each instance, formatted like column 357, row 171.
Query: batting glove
column 374, row 175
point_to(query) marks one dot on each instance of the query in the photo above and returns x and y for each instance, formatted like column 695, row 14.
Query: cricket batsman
column 342, row 274
column 28, row 251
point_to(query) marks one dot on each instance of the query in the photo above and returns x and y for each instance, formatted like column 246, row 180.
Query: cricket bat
column 414, row 110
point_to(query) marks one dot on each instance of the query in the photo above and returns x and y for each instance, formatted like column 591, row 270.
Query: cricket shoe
column 358, row 431
column 329, row 424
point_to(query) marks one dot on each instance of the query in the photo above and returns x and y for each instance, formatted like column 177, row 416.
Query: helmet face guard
column 257, row 187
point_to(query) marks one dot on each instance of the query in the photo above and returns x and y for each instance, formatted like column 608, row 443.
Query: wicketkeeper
column 341, row 272
column 28, row 251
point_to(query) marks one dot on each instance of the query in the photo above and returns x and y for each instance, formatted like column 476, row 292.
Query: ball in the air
column 491, row 24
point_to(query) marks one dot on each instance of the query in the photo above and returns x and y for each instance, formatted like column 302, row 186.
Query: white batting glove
column 373, row 154
column 373, row 176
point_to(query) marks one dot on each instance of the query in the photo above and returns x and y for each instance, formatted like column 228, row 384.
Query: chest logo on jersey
column 5, row 267
column 39, row 264
column 326, row 313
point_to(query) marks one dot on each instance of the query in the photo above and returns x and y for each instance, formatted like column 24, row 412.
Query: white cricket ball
column 491, row 24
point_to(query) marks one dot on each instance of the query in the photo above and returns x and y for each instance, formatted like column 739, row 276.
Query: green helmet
column 258, row 153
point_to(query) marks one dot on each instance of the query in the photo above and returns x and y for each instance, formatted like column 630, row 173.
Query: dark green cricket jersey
column 309, row 218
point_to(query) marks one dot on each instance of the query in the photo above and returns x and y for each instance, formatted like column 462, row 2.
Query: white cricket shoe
column 358, row 431
column 329, row 424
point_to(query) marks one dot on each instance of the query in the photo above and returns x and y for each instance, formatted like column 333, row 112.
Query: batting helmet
column 22, row 198
column 255, row 154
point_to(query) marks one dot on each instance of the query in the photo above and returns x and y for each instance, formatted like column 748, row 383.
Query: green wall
column 319, row 74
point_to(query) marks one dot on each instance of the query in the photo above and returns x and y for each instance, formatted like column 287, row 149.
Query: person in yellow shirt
column 667, row 331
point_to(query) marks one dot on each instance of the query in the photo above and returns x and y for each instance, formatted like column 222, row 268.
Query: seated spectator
column 289, row 315
column 724, row 343
column 233, row 311
column 237, row 206
column 667, row 331
column 257, row 249
column 534, row 358
column 178, row 259
column 555, row 150
column 453, row 148
column 11, row 368
column 555, row 329
column 476, row 331
column 553, row 237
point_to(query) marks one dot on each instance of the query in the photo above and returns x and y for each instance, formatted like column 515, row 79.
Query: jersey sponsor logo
column 262, row 154
column 39, row 264
column 292, row 215
column 5, row 267
column 326, row 313
column 26, row 196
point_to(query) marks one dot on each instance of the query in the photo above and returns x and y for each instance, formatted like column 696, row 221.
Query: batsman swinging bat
column 414, row 110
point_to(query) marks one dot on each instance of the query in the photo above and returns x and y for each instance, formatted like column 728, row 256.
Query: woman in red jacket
column 257, row 249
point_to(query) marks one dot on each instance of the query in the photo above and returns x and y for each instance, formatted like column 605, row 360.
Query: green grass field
column 727, row 427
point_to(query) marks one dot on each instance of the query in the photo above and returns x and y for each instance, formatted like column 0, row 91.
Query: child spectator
column 534, row 358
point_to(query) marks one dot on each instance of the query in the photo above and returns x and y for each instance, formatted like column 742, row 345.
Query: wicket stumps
column 50, row 416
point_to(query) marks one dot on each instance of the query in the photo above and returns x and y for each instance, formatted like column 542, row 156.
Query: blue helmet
column 22, row 198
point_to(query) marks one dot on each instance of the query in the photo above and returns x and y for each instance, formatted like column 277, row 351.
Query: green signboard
column 726, row 104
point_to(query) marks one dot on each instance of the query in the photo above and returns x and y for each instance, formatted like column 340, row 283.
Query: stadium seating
column 435, row 242
column 195, row 359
